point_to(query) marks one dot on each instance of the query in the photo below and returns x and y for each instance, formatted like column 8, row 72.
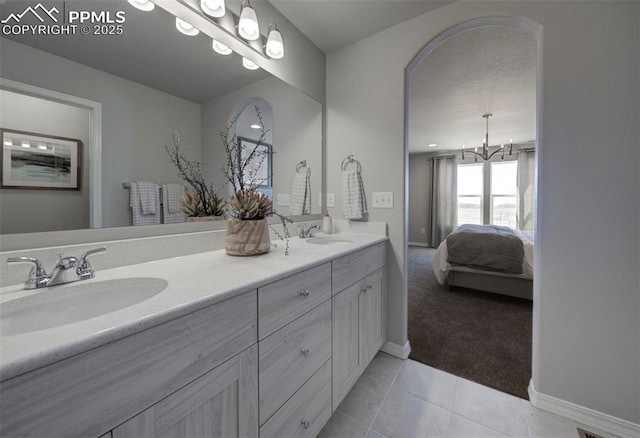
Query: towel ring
column 301, row 164
column 349, row 160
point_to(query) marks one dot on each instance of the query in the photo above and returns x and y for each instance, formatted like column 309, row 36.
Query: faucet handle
column 37, row 273
column 84, row 270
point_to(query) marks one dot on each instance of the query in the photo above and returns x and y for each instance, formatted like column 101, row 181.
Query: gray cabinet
column 221, row 403
column 358, row 316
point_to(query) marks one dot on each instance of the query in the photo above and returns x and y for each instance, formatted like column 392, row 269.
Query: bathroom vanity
column 265, row 346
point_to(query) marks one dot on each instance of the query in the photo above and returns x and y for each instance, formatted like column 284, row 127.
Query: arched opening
column 459, row 321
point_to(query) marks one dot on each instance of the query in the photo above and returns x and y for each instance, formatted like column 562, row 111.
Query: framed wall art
column 39, row 161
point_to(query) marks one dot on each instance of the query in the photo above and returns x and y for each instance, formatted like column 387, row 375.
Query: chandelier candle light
column 485, row 146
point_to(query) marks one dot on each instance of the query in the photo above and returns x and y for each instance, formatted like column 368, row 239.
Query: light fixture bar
column 143, row 5
column 223, row 29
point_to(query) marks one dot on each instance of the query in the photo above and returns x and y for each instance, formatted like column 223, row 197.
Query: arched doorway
column 460, row 323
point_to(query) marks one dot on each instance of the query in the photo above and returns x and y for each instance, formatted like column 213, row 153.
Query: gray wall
column 137, row 121
column 297, row 133
column 586, row 319
column 22, row 209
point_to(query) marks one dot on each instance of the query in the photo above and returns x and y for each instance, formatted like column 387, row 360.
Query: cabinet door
column 347, row 340
column 221, row 403
column 374, row 318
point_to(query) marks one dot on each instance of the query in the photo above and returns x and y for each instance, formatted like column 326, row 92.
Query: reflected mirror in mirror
column 149, row 82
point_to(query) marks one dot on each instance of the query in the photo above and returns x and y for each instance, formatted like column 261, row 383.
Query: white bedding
column 441, row 267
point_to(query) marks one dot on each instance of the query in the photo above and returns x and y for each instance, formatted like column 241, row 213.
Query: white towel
column 135, row 202
column 300, row 202
column 354, row 201
column 171, row 194
column 149, row 197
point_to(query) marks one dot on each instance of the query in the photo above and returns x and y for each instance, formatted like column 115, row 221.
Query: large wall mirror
column 150, row 81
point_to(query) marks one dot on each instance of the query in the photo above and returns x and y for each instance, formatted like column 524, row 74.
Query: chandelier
column 245, row 27
column 485, row 146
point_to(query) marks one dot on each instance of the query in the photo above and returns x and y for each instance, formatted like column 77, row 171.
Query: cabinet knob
column 305, row 424
column 305, row 352
column 304, row 293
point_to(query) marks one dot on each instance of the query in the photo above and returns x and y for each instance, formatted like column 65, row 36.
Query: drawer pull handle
column 304, row 293
column 305, row 424
column 305, row 352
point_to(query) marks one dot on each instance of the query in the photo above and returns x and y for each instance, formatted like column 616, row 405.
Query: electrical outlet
column 331, row 202
column 382, row 200
column 283, row 199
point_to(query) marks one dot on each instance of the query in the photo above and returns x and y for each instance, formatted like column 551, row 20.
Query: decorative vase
column 247, row 237
column 204, row 218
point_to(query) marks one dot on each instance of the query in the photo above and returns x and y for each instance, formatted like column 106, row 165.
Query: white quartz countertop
column 194, row 282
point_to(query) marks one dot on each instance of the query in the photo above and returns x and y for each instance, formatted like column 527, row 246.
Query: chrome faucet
column 307, row 232
column 66, row 270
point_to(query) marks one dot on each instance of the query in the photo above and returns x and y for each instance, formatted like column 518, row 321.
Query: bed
column 489, row 258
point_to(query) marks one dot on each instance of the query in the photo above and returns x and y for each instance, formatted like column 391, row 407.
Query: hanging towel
column 354, row 201
column 139, row 195
column 300, row 202
column 171, row 194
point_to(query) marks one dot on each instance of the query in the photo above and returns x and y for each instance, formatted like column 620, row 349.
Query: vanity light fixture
column 26, row 144
column 186, row 28
column 248, row 25
column 275, row 46
column 214, row 8
column 432, row 145
column 143, row 5
column 249, row 64
column 485, row 146
column 8, row 143
column 221, row 48
column 254, row 126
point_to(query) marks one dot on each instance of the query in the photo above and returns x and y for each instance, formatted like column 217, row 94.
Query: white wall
column 137, row 121
column 297, row 134
column 22, row 209
column 586, row 313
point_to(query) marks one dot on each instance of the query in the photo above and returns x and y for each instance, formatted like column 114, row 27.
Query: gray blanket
column 488, row 247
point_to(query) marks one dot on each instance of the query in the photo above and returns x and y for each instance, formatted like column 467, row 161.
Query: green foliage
column 248, row 205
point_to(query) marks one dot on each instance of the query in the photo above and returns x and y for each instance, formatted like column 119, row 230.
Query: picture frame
column 265, row 169
column 31, row 160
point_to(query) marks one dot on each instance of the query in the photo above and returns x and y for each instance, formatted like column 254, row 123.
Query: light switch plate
column 283, row 199
column 382, row 199
column 331, row 202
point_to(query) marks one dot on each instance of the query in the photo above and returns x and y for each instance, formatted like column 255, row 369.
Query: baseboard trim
column 589, row 417
column 425, row 245
column 397, row 350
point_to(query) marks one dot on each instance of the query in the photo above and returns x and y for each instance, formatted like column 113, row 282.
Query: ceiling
column 482, row 70
column 479, row 71
column 332, row 24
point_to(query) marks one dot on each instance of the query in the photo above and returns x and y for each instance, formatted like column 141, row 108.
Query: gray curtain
column 526, row 188
column 443, row 199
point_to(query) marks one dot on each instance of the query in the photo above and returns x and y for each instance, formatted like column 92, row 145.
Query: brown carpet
column 476, row 335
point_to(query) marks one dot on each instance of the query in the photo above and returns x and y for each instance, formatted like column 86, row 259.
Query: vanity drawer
column 306, row 413
column 291, row 355
column 281, row 302
column 346, row 271
column 374, row 257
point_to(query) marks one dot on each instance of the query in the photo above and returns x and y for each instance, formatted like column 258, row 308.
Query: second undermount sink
column 61, row 305
column 328, row 240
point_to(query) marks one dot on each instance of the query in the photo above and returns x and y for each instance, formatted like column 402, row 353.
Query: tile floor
column 396, row 398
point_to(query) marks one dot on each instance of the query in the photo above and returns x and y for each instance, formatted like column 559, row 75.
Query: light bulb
column 249, row 64
column 248, row 25
column 214, row 8
column 186, row 28
column 275, row 46
column 221, row 48
column 143, row 5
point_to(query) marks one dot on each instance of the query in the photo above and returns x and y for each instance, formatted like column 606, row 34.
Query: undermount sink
column 328, row 240
column 66, row 304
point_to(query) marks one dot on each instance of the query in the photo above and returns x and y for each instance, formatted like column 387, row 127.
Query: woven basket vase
column 247, row 237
